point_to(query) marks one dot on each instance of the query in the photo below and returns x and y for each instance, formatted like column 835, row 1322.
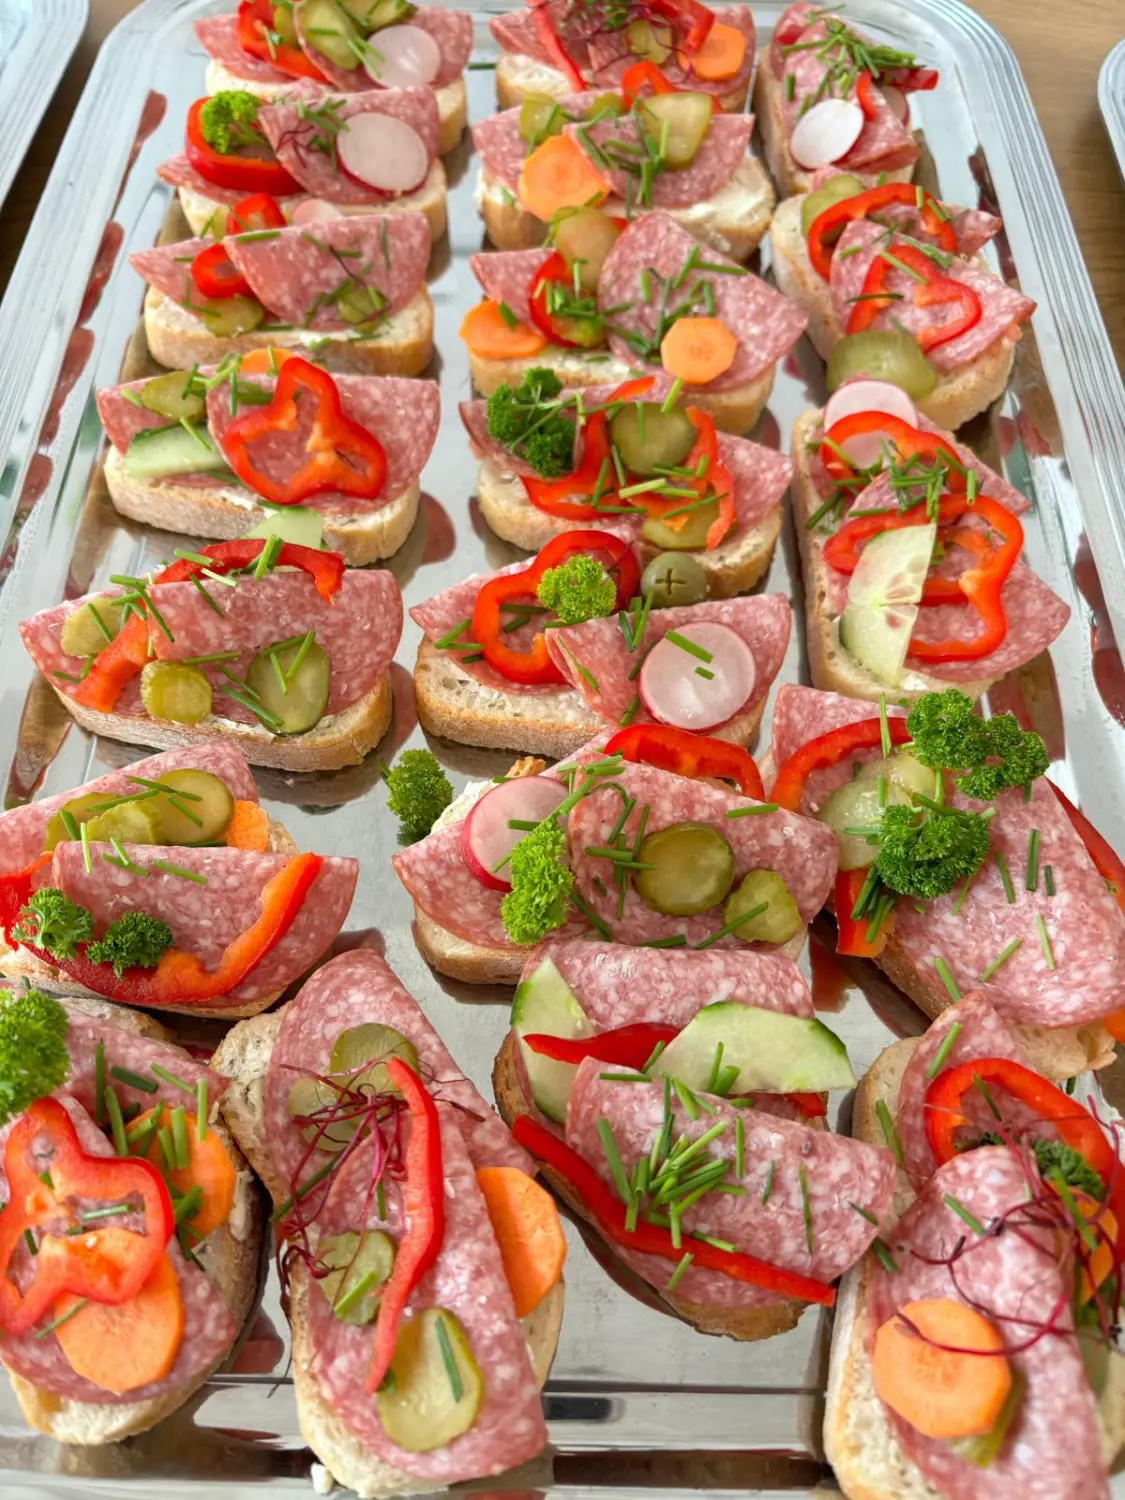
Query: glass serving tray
column 636, row 1401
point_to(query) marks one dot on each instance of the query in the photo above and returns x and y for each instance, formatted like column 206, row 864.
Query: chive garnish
column 739, row 1147
column 751, row 812
column 886, row 1259
column 1001, row 958
column 1045, row 942
column 768, row 1189
column 1048, row 880
column 884, row 726
column 943, row 1051
column 806, row 1206
column 864, row 1213
column 133, row 1080
column 99, row 1083
column 613, row 1159
column 456, row 1385
column 189, row 1204
column 890, row 1134
column 166, row 1077
column 947, row 979
column 169, row 869
column 1031, row 880
column 76, row 1307
column 116, row 1123
column 681, row 1266
column 1009, row 889
column 963, row 1213
column 180, row 1149
column 689, row 646
column 354, row 1294
column 201, row 1110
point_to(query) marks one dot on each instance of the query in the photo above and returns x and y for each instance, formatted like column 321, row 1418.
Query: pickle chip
column 360, row 1266
column 434, row 1387
column 691, row 869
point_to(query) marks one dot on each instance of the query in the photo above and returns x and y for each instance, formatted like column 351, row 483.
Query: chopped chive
column 116, row 1123
column 676, row 940
column 456, row 1385
column 943, row 1051
column 180, row 1146
column 201, row 1110
column 75, row 1307
column 99, row 1083
column 752, row 812
column 167, row 1148
column 1031, row 880
column 93, row 1214
column 166, row 1077
column 1001, row 958
column 886, row 1259
column 625, row 1077
column 947, row 979
column 613, row 1159
column 739, row 1147
column 806, row 1206
column 84, row 837
column 169, row 869
column 681, row 1266
column 1048, row 880
column 768, row 1189
column 890, row 1134
column 189, row 1205
column 304, row 1190
column 1009, row 889
column 963, row 1213
column 1045, row 942
column 689, row 646
column 687, row 1098
column 884, row 726
column 29, row 1241
column 864, row 1213
column 355, row 1295
column 133, row 1080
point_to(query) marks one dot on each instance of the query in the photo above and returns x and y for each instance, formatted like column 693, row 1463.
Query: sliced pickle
column 434, row 1387
column 540, row 117
column 677, row 125
column 649, row 41
column 605, row 105
column 882, row 356
column 693, row 869
column 372, row 15
column 357, row 1063
column 198, row 812
column 169, row 396
column 650, row 439
column 674, row 578
column 228, row 317
column 299, row 704
column 361, row 306
column 692, row 537
column 835, row 190
column 360, row 1265
column 983, row 1448
column 80, row 810
column 131, row 822
column 584, row 238
column 315, row 1102
column 781, row 919
column 172, row 690
column 904, row 769
column 330, row 32
column 283, row 22
column 363, row 1051
column 91, row 627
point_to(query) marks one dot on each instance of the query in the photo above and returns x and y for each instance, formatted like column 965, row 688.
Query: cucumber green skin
column 292, row 523
column 544, row 1004
column 774, row 1052
column 161, row 451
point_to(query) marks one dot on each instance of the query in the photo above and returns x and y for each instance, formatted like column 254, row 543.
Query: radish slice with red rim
column 314, row 211
column 897, row 100
column 826, row 132
column 487, row 835
column 402, row 57
column 698, row 676
column 383, row 152
column 874, row 396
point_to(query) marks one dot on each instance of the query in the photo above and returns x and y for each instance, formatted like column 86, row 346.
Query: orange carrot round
column 698, row 349
column 125, row 1347
column 557, row 175
column 249, row 827
column 1100, row 1262
column 490, row 335
column 941, row 1393
column 209, row 1168
column 526, row 1224
column 264, row 361
column 721, row 55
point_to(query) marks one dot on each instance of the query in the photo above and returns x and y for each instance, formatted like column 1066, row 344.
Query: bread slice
column 451, row 98
column 732, row 221
column 223, row 513
column 429, row 199
column 959, row 395
column 243, row 1057
column 769, row 113
column 518, row 75
column 733, row 567
column 402, row 345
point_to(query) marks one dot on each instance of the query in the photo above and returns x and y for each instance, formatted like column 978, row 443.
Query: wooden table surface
column 1060, row 47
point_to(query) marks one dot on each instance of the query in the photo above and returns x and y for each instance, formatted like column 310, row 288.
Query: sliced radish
column 403, row 57
column 868, row 395
column 314, row 211
column 897, row 100
column 697, row 689
column 826, row 132
column 487, row 836
column 383, row 152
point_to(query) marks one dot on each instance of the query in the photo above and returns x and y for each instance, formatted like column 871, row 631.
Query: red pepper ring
column 641, row 75
column 827, row 227
column 933, row 288
column 258, row 211
column 700, row 19
column 842, row 549
column 829, row 750
column 627, row 1046
column 251, row 174
column 983, row 586
column 555, row 272
column 851, row 932
column 256, row 34
column 687, row 754
column 608, row 1213
column 557, row 497
column 216, row 276
column 865, row 95
column 88, row 1265
column 343, row 457
column 910, row 443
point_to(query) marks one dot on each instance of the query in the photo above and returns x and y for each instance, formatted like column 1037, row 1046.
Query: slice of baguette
column 228, row 512
column 430, row 199
column 959, row 395
column 518, row 75
column 402, row 345
column 243, row 1057
column 732, row 221
column 733, row 567
column 451, row 99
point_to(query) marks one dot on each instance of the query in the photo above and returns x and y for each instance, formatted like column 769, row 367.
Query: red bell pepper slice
column 865, row 95
column 535, row 665
column 127, row 653
column 628, row 1046
column 104, row 1264
column 829, row 750
column 911, row 80
column 810, row 1106
column 252, row 174
column 700, row 18
column 827, row 227
column 687, row 754
column 608, row 1212
column 259, row 211
column 421, row 1245
column 257, row 37
column 557, row 497
column 552, row 44
column 852, row 932
column 343, row 457
column 555, row 272
column 909, row 442
column 216, row 276
column 642, row 75
column 933, row 289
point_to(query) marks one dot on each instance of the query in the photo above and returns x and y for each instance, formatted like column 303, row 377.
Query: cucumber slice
column 161, row 451
column 883, row 596
column 772, row 1051
column 544, row 1004
column 292, row 523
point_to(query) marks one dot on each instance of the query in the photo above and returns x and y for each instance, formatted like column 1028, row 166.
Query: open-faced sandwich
column 349, row 46
column 224, row 449
column 604, row 304
column 974, row 1352
column 130, row 1232
column 269, row 645
column 422, row 1262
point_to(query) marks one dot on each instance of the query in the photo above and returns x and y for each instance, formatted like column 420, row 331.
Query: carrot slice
column 249, row 827
column 526, row 1224
column 941, row 1393
column 721, row 55
column 123, row 1348
column 1100, row 1262
column 264, row 361
column 698, row 349
column 490, row 335
column 209, row 1168
column 557, row 175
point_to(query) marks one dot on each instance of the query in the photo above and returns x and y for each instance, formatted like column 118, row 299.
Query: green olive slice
column 91, row 627
column 434, row 1387
column 172, row 690
column 196, row 809
column 674, row 578
column 291, row 681
column 650, row 439
column 360, row 1264
column 692, row 869
column 780, row 920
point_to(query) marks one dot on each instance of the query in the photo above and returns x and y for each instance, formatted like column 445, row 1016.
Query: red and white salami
column 501, row 147
column 801, row 714
column 719, row 157
column 517, row 32
column 132, row 1053
column 452, row 30
column 506, row 276
column 219, row 35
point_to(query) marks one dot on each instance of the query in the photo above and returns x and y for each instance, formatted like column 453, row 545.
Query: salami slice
column 359, row 631
column 506, row 276
column 801, row 714
column 178, row 172
column 206, row 917
column 356, row 989
column 123, row 417
column 598, row 650
column 517, row 33
column 818, row 1230
column 1035, row 614
column 168, row 268
column 644, row 276
column 608, row 58
column 801, row 851
column 219, row 35
column 1002, row 307
column 136, row 1054
column 619, row 986
column 500, row 146
column 1016, row 1278
column 403, row 414
column 720, row 154
column 466, row 1280
column 452, row 30
column 298, row 133
column 23, row 830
